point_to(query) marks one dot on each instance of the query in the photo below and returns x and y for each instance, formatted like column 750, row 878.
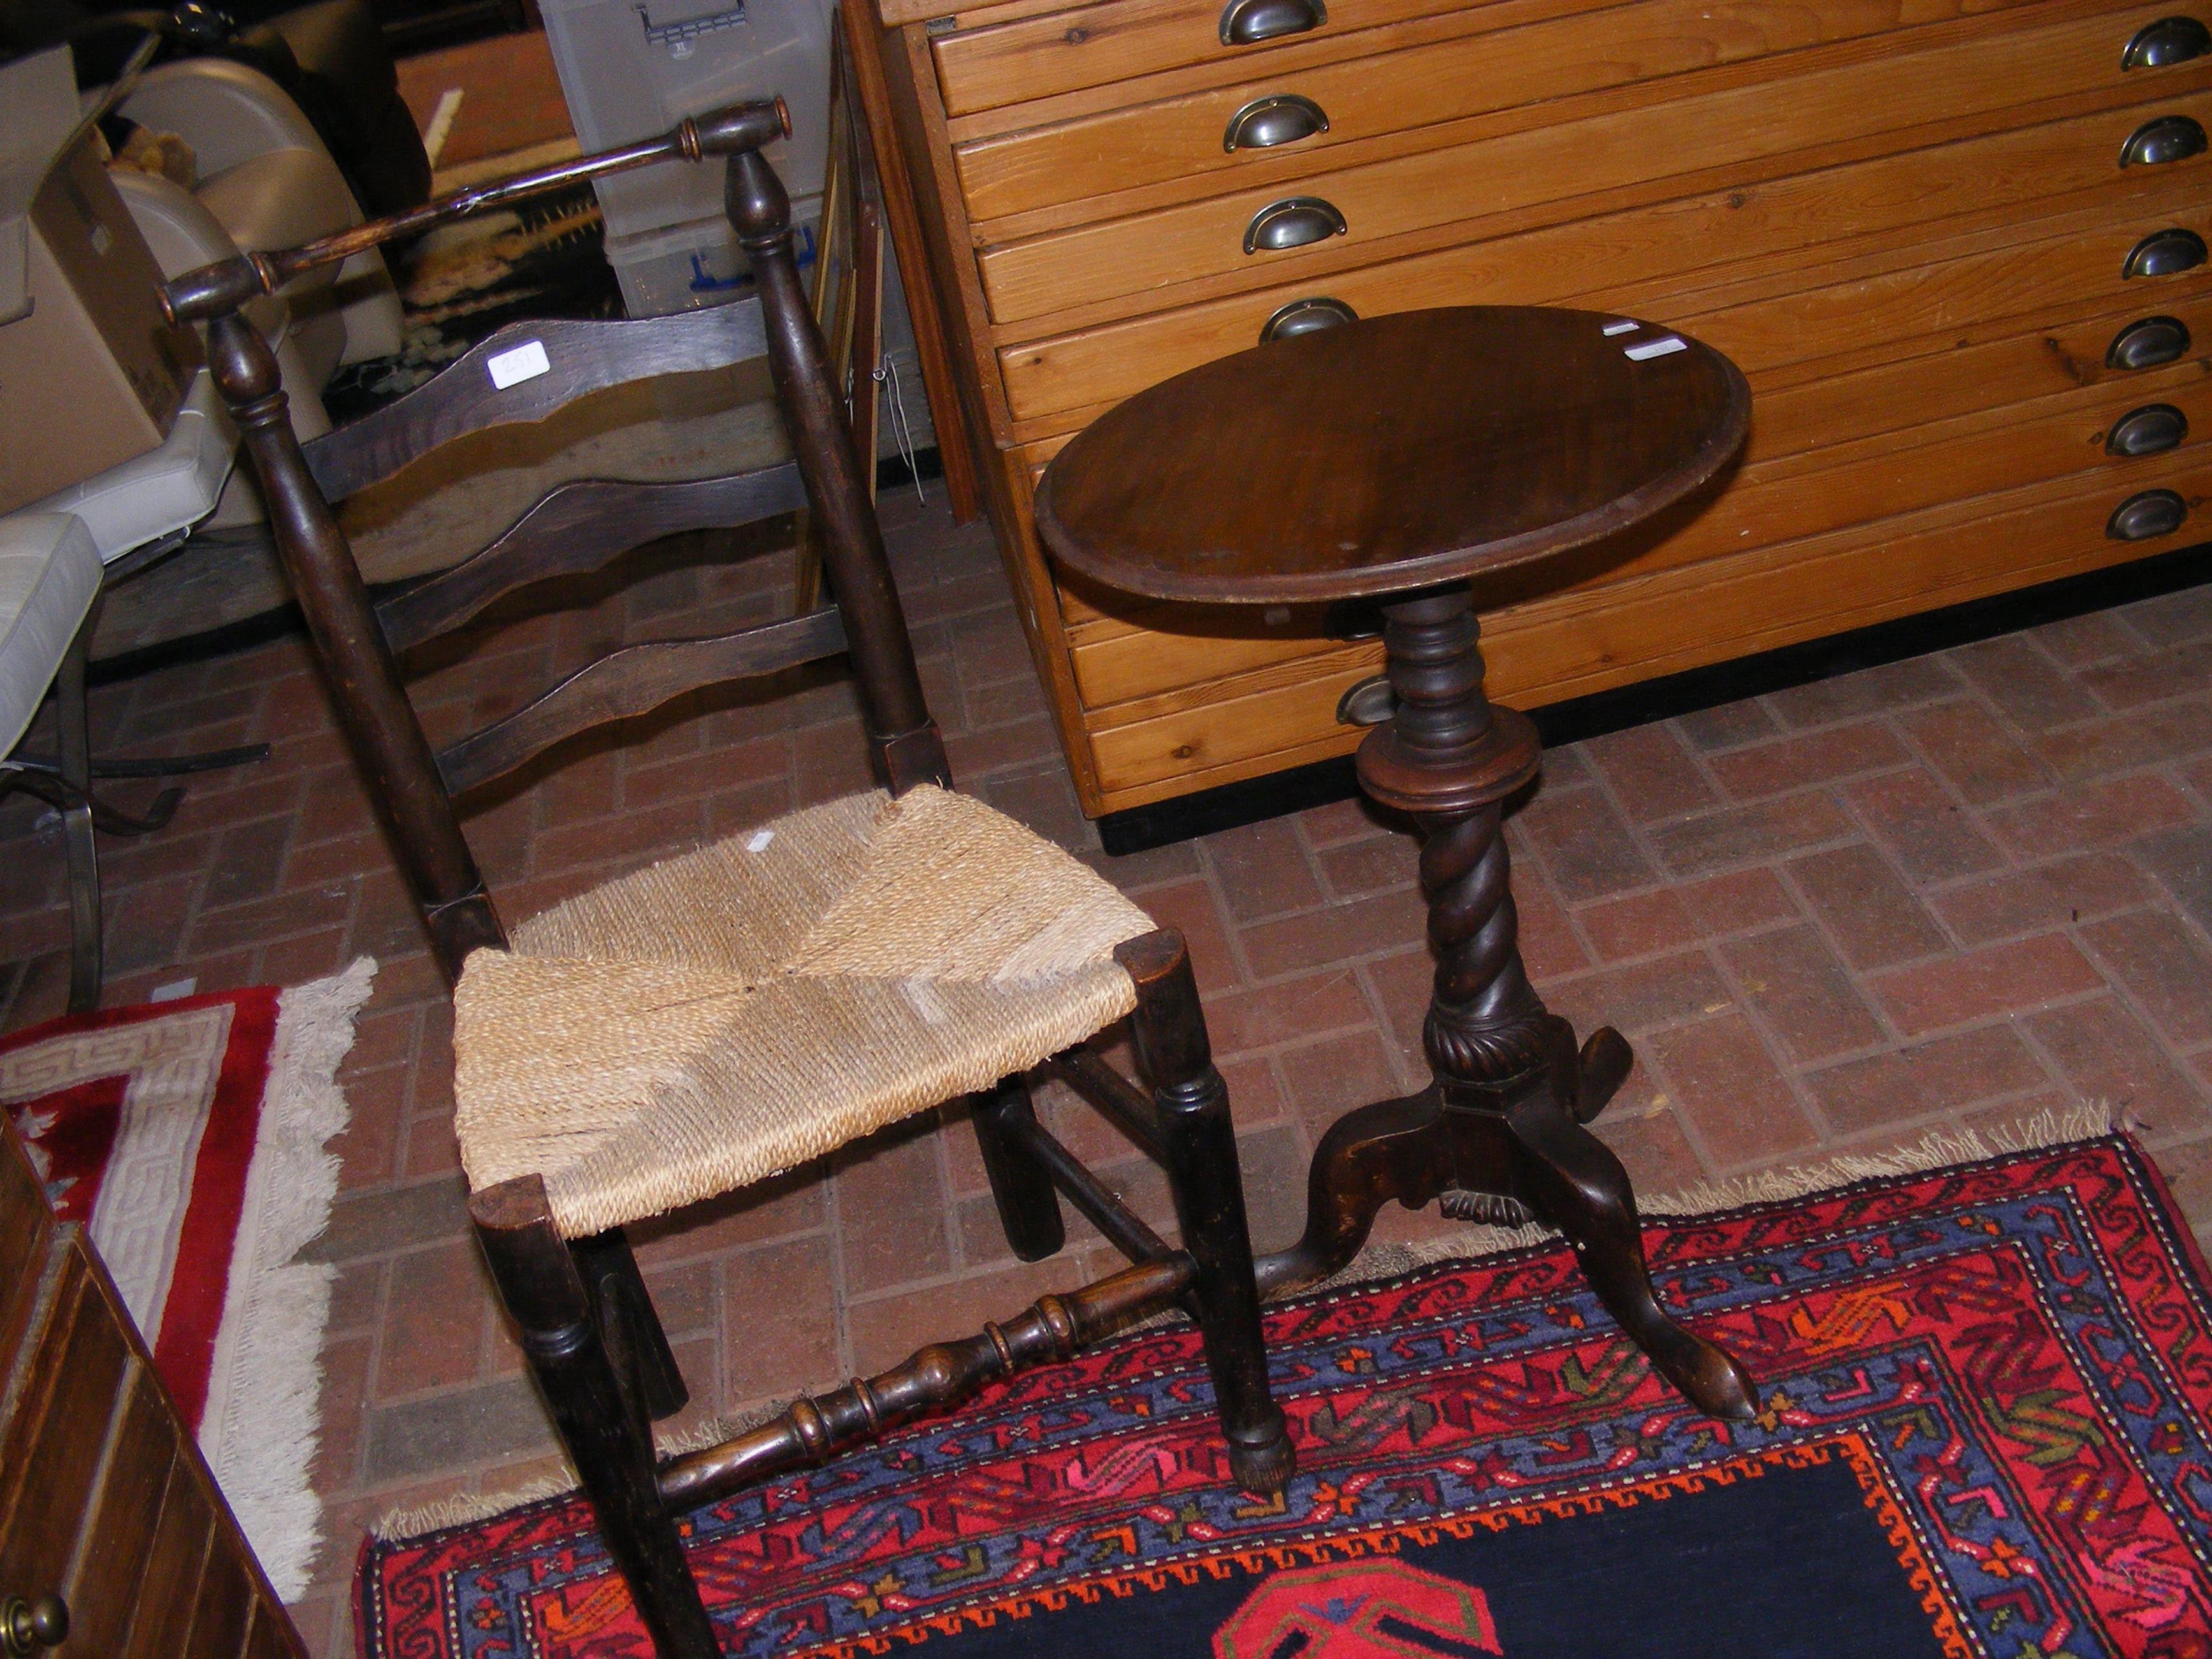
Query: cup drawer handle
column 2147, row 341
column 1308, row 316
column 1371, row 702
column 2147, row 513
column 2147, row 431
column 2163, row 253
column 1247, row 22
column 2169, row 40
column 1297, row 220
column 2169, row 138
column 1286, row 118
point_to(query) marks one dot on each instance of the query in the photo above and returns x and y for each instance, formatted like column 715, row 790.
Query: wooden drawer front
column 1793, row 413
column 105, row 1503
column 1150, row 650
column 1182, row 138
column 25, row 1226
column 74, row 1373
column 1915, row 283
column 1569, row 645
column 1105, row 46
column 1639, row 148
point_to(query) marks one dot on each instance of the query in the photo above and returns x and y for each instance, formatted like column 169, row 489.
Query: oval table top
column 1391, row 454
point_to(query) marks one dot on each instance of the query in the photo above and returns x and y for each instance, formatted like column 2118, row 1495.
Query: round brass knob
column 29, row 1627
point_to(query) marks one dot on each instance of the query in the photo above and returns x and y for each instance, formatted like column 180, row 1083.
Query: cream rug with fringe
column 188, row 1137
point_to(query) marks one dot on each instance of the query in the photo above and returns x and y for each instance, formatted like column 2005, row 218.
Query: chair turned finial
column 755, row 198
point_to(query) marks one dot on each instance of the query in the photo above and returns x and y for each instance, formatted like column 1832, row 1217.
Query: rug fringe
column 465, row 1508
column 2049, row 1127
column 261, row 1435
column 2052, row 1127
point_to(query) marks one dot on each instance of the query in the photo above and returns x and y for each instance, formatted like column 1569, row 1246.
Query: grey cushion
column 49, row 576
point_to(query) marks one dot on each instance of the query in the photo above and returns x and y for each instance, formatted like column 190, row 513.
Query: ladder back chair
column 699, row 1025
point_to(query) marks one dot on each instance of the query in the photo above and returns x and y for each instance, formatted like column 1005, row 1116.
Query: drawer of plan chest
column 1055, row 152
column 1122, row 652
column 1324, row 220
column 1991, row 271
column 1105, row 47
column 1565, row 646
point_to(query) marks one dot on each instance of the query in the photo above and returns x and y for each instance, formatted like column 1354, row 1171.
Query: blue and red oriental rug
column 1987, row 1431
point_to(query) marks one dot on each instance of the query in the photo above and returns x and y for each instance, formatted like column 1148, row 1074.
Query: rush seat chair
column 733, row 1011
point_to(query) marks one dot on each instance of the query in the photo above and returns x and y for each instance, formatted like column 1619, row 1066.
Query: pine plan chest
column 1958, row 247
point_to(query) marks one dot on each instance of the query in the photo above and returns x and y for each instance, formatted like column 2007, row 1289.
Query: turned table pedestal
column 1394, row 460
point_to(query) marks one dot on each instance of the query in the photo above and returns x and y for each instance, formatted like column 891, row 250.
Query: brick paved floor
column 1959, row 889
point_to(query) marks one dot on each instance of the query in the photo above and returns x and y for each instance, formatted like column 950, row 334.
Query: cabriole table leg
column 1499, row 1135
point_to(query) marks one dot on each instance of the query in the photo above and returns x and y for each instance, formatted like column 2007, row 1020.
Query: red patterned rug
column 187, row 1138
column 1987, row 1431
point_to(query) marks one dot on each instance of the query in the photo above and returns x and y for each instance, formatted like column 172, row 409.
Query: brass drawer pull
column 1297, row 220
column 29, row 1627
column 2147, row 342
column 2169, row 40
column 2169, row 138
column 1307, row 316
column 2164, row 254
column 1247, row 22
column 2145, row 514
column 2147, row 431
column 1284, row 119
column 1371, row 702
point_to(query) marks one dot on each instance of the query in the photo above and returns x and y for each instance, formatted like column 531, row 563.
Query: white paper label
column 1612, row 329
column 1653, row 349
column 760, row 840
column 525, row 363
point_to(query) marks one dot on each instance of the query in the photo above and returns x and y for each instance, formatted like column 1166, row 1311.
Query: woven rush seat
column 709, row 1021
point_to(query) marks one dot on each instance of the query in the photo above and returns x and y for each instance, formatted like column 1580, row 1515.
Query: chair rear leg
column 599, row 1421
column 1200, row 1148
column 1029, row 1208
column 610, row 1270
column 72, row 720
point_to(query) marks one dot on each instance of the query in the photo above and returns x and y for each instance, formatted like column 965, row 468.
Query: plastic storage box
column 632, row 68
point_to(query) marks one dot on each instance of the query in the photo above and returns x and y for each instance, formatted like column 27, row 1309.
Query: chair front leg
column 1199, row 1145
column 610, row 1270
column 598, row 1421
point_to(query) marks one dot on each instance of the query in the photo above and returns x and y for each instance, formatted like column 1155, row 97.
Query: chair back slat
column 637, row 681
column 578, row 528
column 525, row 371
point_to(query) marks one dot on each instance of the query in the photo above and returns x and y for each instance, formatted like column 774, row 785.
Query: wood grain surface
column 1391, row 454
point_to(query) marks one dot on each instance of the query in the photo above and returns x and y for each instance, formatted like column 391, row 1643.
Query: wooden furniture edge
column 914, row 123
column 955, row 448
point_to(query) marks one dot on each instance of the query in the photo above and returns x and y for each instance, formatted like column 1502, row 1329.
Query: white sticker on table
column 1651, row 349
column 1612, row 329
column 525, row 363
